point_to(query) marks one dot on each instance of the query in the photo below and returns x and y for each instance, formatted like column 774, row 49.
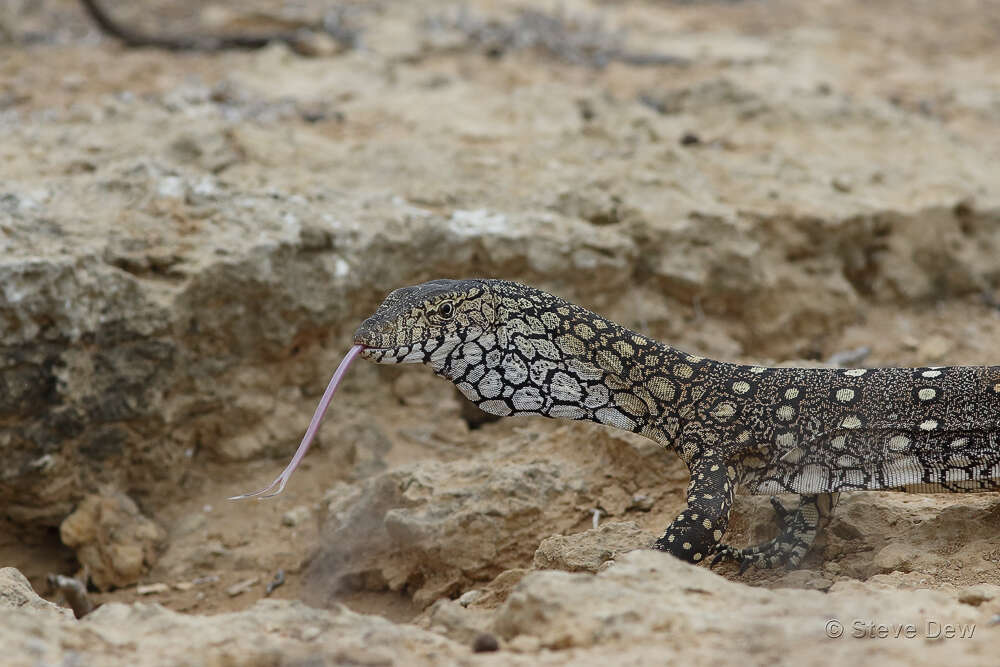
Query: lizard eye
column 446, row 310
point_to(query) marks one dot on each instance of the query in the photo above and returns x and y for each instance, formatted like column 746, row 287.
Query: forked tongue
column 307, row 439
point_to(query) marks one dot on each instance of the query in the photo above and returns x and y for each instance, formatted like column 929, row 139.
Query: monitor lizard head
column 426, row 323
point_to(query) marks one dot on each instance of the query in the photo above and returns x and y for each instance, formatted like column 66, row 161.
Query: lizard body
column 516, row 350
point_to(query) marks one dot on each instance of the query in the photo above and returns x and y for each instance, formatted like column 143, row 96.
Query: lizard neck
column 553, row 358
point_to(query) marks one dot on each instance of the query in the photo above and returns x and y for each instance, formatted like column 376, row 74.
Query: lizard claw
column 779, row 509
column 724, row 553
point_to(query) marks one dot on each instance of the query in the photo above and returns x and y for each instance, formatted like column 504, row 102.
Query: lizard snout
column 371, row 333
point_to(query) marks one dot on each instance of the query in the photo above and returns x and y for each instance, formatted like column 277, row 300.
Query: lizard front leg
column 697, row 530
column 799, row 530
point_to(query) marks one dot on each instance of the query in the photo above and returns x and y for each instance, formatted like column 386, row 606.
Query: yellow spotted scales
column 516, row 350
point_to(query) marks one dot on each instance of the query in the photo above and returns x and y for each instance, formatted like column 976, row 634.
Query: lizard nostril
column 373, row 332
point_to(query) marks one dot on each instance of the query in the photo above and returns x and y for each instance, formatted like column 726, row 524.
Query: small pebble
column 485, row 643
column 690, row 139
column 469, row 597
column 242, row 587
column 641, row 502
column 310, row 633
column 843, row 184
column 295, row 516
column 150, row 589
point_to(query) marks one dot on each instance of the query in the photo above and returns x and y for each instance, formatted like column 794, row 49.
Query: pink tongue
column 300, row 453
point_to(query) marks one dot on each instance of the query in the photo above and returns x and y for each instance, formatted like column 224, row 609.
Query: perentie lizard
column 516, row 350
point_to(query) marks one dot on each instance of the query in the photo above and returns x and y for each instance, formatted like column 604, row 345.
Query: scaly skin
column 515, row 350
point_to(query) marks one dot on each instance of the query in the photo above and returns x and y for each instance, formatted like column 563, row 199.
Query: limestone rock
column 590, row 550
column 650, row 603
column 271, row 631
column 435, row 528
column 114, row 542
column 17, row 594
column 432, row 527
column 454, row 621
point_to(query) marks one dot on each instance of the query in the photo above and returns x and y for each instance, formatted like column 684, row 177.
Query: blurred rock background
column 188, row 239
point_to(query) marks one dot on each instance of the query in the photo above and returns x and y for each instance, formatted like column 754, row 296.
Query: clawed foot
column 788, row 548
column 785, row 549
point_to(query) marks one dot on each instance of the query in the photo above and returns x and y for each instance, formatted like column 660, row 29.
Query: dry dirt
column 188, row 240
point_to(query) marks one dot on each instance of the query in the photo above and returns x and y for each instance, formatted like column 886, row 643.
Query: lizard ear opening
column 307, row 439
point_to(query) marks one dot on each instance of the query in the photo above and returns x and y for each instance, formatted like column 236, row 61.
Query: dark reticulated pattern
column 516, row 350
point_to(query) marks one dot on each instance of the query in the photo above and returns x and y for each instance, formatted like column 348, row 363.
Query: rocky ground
column 187, row 241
